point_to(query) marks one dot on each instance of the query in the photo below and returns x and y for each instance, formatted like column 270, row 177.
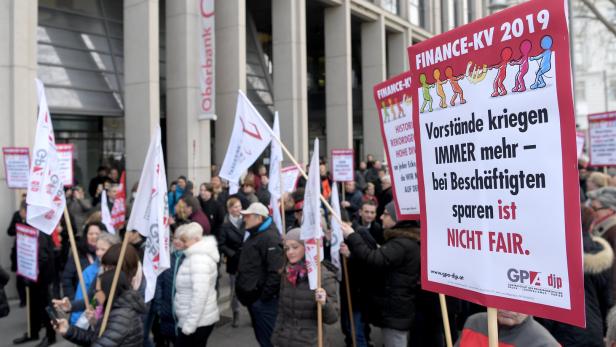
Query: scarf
column 295, row 271
column 236, row 221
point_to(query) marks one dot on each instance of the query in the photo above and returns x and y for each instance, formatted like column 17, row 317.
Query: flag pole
column 282, row 209
column 71, row 238
column 114, row 284
column 492, row 327
column 349, row 301
column 319, row 307
column 445, row 315
column 28, row 318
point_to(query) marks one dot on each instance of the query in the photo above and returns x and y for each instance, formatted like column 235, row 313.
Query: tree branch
column 591, row 6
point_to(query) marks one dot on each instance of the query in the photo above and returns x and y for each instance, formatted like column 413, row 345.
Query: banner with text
column 27, row 251
column 602, row 136
column 207, row 54
column 65, row 163
column 16, row 166
column 290, row 176
column 493, row 113
column 342, row 165
column 393, row 100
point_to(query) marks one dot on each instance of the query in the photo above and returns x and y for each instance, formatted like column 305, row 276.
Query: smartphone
column 51, row 312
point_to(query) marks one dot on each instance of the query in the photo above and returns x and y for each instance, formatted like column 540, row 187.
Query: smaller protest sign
column 16, row 166
column 290, row 176
column 27, row 252
column 65, row 163
column 342, row 165
column 602, row 136
column 580, row 140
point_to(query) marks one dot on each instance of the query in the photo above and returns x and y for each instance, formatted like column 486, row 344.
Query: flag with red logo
column 311, row 220
column 45, row 198
column 337, row 237
column 274, row 177
column 118, row 210
column 249, row 138
column 150, row 214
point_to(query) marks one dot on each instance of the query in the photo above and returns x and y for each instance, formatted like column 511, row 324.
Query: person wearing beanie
column 296, row 324
column 603, row 202
column 258, row 273
column 392, row 305
column 598, row 259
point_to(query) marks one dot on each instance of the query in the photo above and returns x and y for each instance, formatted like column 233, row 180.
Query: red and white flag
column 150, row 214
column 118, row 210
column 249, row 138
column 311, row 222
column 274, row 176
column 45, row 197
column 105, row 213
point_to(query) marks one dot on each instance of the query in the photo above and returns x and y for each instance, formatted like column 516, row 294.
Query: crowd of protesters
column 215, row 232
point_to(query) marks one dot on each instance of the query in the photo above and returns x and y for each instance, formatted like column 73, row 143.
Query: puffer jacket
column 392, row 305
column 124, row 327
column 598, row 258
column 195, row 293
column 296, row 323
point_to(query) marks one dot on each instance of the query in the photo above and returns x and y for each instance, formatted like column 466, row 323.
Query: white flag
column 274, row 176
column 249, row 138
column 105, row 213
column 336, row 231
column 45, row 197
column 311, row 221
column 150, row 215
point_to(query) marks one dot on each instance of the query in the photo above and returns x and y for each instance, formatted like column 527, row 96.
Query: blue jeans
column 360, row 337
column 263, row 316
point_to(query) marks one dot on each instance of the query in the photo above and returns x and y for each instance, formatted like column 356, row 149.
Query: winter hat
column 294, row 234
column 391, row 209
column 606, row 196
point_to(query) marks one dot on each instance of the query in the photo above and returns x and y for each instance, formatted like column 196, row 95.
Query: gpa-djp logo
column 524, row 277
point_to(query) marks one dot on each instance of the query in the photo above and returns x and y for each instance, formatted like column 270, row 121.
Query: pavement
column 223, row 335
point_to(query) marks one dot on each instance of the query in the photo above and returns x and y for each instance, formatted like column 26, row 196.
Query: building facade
column 115, row 69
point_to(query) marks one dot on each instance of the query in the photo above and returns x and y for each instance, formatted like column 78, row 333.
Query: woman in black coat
column 86, row 249
column 124, row 326
column 598, row 260
column 230, row 244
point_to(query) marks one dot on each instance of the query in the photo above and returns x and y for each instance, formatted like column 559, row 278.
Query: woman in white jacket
column 194, row 301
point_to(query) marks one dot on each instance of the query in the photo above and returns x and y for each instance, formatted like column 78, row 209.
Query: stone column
column 141, row 81
column 397, row 58
column 373, row 66
column 18, row 103
column 338, row 83
column 188, row 138
column 230, row 68
column 290, row 88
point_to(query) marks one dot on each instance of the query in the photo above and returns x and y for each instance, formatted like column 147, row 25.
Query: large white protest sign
column 393, row 100
column 290, row 176
column 342, row 165
column 16, row 166
column 500, row 208
column 602, row 135
column 27, row 251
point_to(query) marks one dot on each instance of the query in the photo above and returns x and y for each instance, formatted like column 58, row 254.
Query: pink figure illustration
column 455, row 86
column 499, row 87
column 525, row 48
column 440, row 91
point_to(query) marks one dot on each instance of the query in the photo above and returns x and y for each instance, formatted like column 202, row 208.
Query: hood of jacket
column 207, row 246
column 409, row 233
column 130, row 299
column 601, row 260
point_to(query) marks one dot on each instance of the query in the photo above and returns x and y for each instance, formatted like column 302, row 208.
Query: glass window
column 580, row 90
column 390, row 5
column 87, row 7
column 74, row 58
column 61, row 76
column 85, row 102
column 54, row 18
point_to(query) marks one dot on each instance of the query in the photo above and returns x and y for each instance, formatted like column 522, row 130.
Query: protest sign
column 580, row 140
column 494, row 117
column 27, row 251
column 290, row 176
column 393, row 100
column 16, row 166
column 602, row 135
column 342, row 165
column 65, row 163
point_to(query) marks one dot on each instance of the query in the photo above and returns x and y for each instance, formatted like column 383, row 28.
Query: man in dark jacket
column 18, row 217
column 367, row 219
column 352, row 199
column 258, row 274
column 392, row 306
column 385, row 196
column 39, row 294
column 213, row 209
